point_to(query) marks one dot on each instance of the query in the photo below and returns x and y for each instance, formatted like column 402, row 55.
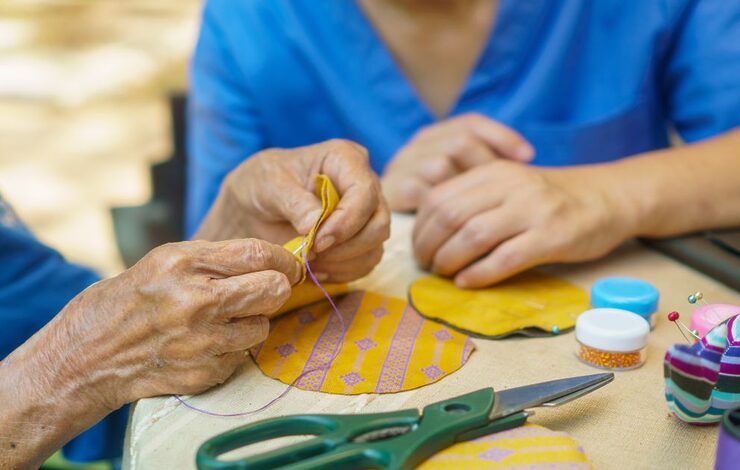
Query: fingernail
column 298, row 273
column 324, row 243
column 525, row 152
column 321, row 277
column 461, row 282
column 310, row 219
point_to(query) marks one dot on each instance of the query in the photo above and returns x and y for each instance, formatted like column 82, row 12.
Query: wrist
column 41, row 410
column 75, row 369
column 634, row 195
column 616, row 208
column 94, row 357
column 627, row 205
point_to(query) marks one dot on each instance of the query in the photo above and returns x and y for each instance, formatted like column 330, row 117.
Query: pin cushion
column 708, row 316
column 612, row 339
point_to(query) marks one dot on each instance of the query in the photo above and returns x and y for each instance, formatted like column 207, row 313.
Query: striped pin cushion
column 703, row 380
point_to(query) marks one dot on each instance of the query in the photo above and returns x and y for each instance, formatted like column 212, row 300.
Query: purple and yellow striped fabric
column 387, row 348
column 703, row 380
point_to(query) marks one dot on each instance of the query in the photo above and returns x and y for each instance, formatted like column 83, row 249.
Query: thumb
column 298, row 206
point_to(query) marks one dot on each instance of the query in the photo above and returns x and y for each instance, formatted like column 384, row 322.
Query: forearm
column 688, row 188
column 677, row 190
column 44, row 405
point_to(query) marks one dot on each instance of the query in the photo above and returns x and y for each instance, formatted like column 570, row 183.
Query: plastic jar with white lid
column 612, row 339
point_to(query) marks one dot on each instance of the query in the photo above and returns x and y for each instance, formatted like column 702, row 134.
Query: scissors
column 392, row 440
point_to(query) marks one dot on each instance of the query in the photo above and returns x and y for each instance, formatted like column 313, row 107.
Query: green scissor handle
column 404, row 439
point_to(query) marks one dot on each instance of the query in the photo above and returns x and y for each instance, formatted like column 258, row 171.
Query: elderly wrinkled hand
column 271, row 196
column 444, row 150
column 504, row 217
column 180, row 320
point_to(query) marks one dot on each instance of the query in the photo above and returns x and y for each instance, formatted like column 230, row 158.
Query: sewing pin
column 674, row 317
column 699, row 296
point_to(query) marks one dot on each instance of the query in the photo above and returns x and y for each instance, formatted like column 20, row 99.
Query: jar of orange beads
column 612, row 339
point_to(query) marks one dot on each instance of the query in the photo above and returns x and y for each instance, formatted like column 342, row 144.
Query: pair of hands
column 483, row 216
column 181, row 319
column 271, row 197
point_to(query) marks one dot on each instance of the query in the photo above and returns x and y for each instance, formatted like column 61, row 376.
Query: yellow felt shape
column 531, row 303
column 387, row 347
column 528, row 446
column 306, row 292
column 329, row 197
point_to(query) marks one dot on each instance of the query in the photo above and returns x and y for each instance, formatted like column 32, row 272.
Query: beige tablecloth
column 624, row 425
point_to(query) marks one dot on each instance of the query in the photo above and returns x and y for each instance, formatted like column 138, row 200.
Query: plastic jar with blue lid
column 626, row 293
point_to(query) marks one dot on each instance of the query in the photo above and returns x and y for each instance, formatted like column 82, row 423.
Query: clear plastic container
column 611, row 360
column 612, row 339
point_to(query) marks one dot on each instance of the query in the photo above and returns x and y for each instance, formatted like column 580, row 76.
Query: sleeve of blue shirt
column 701, row 76
column 224, row 126
column 35, row 284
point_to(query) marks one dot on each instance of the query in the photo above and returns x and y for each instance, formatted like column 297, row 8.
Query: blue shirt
column 583, row 81
column 35, row 284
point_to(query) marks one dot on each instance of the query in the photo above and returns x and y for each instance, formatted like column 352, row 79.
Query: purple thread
column 337, row 350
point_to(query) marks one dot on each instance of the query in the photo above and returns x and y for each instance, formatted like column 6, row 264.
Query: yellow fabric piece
column 530, row 300
column 329, row 197
column 307, row 293
column 529, row 446
column 388, row 347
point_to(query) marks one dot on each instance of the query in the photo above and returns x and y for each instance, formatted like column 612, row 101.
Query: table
column 623, row 425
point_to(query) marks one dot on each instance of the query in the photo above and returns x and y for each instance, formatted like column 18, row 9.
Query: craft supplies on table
column 392, row 440
column 613, row 339
column 626, row 293
column 164, row 434
column 728, row 444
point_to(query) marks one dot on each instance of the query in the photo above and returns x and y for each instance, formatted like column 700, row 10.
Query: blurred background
column 85, row 112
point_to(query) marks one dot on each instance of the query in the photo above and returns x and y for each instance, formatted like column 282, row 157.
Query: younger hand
column 503, row 218
column 445, row 149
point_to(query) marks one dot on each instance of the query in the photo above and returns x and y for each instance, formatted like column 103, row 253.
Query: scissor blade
column 552, row 393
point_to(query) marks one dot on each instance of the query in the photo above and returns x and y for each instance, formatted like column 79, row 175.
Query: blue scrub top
column 584, row 81
column 36, row 282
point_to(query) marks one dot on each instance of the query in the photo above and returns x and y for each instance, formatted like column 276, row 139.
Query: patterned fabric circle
column 532, row 303
column 388, row 347
column 526, row 447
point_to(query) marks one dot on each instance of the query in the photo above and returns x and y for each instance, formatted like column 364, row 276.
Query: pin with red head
column 674, row 317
